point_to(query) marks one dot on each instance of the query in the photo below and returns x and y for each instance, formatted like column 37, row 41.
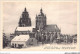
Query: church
column 26, row 35
column 45, row 33
column 24, row 25
column 23, row 33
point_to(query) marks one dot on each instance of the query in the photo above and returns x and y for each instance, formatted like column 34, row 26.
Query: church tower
column 40, row 20
column 25, row 19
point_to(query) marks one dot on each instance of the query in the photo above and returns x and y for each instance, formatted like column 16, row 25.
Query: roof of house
column 51, row 28
column 21, row 38
column 24, row 28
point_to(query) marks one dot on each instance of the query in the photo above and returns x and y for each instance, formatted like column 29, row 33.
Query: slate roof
column 52, row 28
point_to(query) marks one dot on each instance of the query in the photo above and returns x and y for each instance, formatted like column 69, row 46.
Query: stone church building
column 45, row 33
column 23, row 33
column 24, row 25
column 41, row 34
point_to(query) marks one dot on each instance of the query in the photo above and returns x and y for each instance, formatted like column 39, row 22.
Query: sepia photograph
column 40, row 25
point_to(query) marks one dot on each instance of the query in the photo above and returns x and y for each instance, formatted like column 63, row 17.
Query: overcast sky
column 64, row 14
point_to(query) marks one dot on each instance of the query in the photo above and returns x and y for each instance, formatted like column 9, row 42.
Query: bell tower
column 40, row 20
column 24, row 19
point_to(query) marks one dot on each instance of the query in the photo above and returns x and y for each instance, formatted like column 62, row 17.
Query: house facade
column 20, row 41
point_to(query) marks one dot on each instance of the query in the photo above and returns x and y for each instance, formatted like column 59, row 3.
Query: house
column 74, row 38
column 20, row 41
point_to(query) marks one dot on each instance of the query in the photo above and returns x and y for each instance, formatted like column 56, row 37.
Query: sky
column 64, row 14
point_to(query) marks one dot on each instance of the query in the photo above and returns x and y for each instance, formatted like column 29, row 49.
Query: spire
column 25, row 9
column 41, row 10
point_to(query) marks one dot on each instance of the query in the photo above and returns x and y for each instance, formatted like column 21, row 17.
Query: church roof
column 53, row 28
column 21, row 38
column 24, row 28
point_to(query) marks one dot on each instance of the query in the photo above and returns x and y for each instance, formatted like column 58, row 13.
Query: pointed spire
column 41, row 10
column 25, row 9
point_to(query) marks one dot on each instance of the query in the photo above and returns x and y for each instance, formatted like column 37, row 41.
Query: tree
column 4, row 40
